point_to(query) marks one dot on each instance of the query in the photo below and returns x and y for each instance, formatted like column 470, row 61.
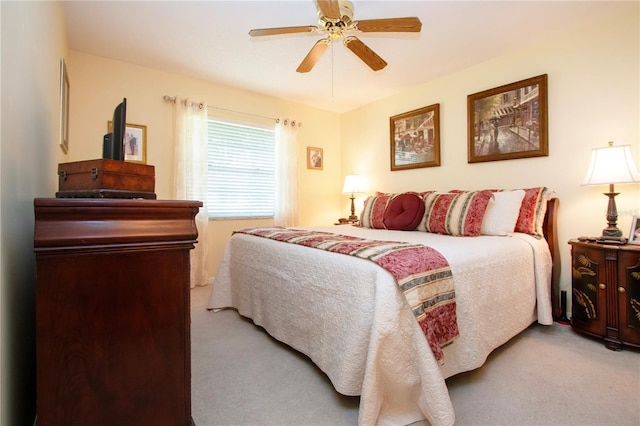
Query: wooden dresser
column 112, row 311
column 606, row 292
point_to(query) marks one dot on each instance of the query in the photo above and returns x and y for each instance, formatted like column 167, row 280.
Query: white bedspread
column 350, row 318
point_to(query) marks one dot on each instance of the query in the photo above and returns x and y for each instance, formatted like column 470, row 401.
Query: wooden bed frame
column 550, row 230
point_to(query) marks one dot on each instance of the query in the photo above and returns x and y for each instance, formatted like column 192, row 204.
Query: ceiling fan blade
column 363, row 52
column 389, row 25
column 314, row 55
column 329, row 8
column 282, row 30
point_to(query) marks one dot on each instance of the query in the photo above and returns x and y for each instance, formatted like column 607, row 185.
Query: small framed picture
column 634, row 235
column 314, row 158
column 135, row 142
column 415, row 138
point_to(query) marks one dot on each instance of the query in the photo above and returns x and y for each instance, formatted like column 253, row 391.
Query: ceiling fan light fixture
column 335, row 19
column 345, row 8
column 337, row 25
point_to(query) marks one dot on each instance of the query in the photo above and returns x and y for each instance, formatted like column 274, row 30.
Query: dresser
column 112, row 311
column 606, row 292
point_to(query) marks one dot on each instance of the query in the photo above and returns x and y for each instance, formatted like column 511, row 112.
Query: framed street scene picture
column 508, row 122
column 415, row 138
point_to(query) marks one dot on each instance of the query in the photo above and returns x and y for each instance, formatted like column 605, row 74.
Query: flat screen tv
column 113, row 143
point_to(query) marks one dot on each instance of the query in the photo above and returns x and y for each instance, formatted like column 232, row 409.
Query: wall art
column 415, row 138
column 508, row 122
column 314, row 158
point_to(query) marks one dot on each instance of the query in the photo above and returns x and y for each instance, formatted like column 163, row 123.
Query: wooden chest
column 104, row 178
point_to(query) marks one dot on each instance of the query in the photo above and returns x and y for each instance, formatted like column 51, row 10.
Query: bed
column 350, row 317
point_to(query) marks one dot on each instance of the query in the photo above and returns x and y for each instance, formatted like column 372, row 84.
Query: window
column 241, row 170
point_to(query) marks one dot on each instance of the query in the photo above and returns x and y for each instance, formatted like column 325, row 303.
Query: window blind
column 241, row 170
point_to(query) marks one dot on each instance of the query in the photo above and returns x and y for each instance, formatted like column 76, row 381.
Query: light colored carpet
column 544, row 376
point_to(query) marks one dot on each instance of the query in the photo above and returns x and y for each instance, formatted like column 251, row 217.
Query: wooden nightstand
column 347, row 222
column 605, row 288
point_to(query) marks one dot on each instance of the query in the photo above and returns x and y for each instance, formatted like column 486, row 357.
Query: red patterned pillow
column 532, row 210
column 459, row 213
column 404, row 212
column 373, row 211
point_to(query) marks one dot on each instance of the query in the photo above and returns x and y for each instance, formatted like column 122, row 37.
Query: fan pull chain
column 332, row 72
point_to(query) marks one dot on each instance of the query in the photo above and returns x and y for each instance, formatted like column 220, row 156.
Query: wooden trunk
column 104, row 178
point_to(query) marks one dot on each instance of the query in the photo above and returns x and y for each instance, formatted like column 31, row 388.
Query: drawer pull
column 602, row 286
column 621, row 290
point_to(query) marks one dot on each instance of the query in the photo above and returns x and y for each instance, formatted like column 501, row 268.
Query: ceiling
column 209, row 40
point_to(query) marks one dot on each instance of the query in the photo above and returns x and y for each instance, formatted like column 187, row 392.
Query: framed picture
column 508, row 122
column 634, row 235
column 314, row 158
column 135, row 142
column 64, row 107
column 415, row 138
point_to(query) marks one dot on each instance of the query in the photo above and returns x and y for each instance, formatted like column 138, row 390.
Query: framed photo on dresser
column 634, row 234
column 135, row 142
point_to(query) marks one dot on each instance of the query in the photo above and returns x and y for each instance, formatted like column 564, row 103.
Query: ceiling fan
column 335, row 18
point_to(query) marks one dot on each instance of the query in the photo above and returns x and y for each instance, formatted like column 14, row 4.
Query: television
column 113, row 142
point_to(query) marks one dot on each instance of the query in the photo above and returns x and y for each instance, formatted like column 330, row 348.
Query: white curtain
column 286, row 197
column 190, row 176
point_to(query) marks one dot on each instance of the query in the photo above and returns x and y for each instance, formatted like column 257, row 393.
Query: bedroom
column 592, row 73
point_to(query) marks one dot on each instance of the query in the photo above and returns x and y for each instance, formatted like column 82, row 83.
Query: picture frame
column 415, row 138
column 135, row 144
column 315, row 158
column 508, row 122
column 634, row 234
column 64, row 107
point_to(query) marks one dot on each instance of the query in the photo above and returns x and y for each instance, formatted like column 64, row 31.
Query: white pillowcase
column 502, row 213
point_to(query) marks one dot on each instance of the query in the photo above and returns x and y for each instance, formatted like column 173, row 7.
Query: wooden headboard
column 550, row 231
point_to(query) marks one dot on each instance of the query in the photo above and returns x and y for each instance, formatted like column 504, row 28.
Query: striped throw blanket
column 421, row 272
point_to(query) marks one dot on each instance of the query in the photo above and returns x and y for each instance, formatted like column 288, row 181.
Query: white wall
column 33, row 42
column 593, row 82
column 98, row 84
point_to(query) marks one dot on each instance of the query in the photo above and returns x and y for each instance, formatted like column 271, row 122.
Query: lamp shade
column 612, row 164
column 352, row 185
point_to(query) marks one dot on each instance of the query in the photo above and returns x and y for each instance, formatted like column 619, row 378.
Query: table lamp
column 352, row 185
column 611, row 165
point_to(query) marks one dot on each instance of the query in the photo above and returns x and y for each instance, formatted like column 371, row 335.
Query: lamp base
column 611, row 234
column 353, row 217
column 611, row 240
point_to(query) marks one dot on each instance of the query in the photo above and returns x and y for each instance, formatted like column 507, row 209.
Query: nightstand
column 605, row 288
column 346, row 222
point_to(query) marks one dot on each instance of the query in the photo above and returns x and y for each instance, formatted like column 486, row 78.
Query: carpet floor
column 547, row 375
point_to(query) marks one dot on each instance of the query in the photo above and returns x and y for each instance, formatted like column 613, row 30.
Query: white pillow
column 502, row 213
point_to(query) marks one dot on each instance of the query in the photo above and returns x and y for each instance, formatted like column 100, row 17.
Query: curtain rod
column 201, row 105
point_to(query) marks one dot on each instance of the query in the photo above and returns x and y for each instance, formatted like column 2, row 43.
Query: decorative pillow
column 502, row 213
column 373, row 211
column 404, row 212
column 458, row 214
column 532, row 210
